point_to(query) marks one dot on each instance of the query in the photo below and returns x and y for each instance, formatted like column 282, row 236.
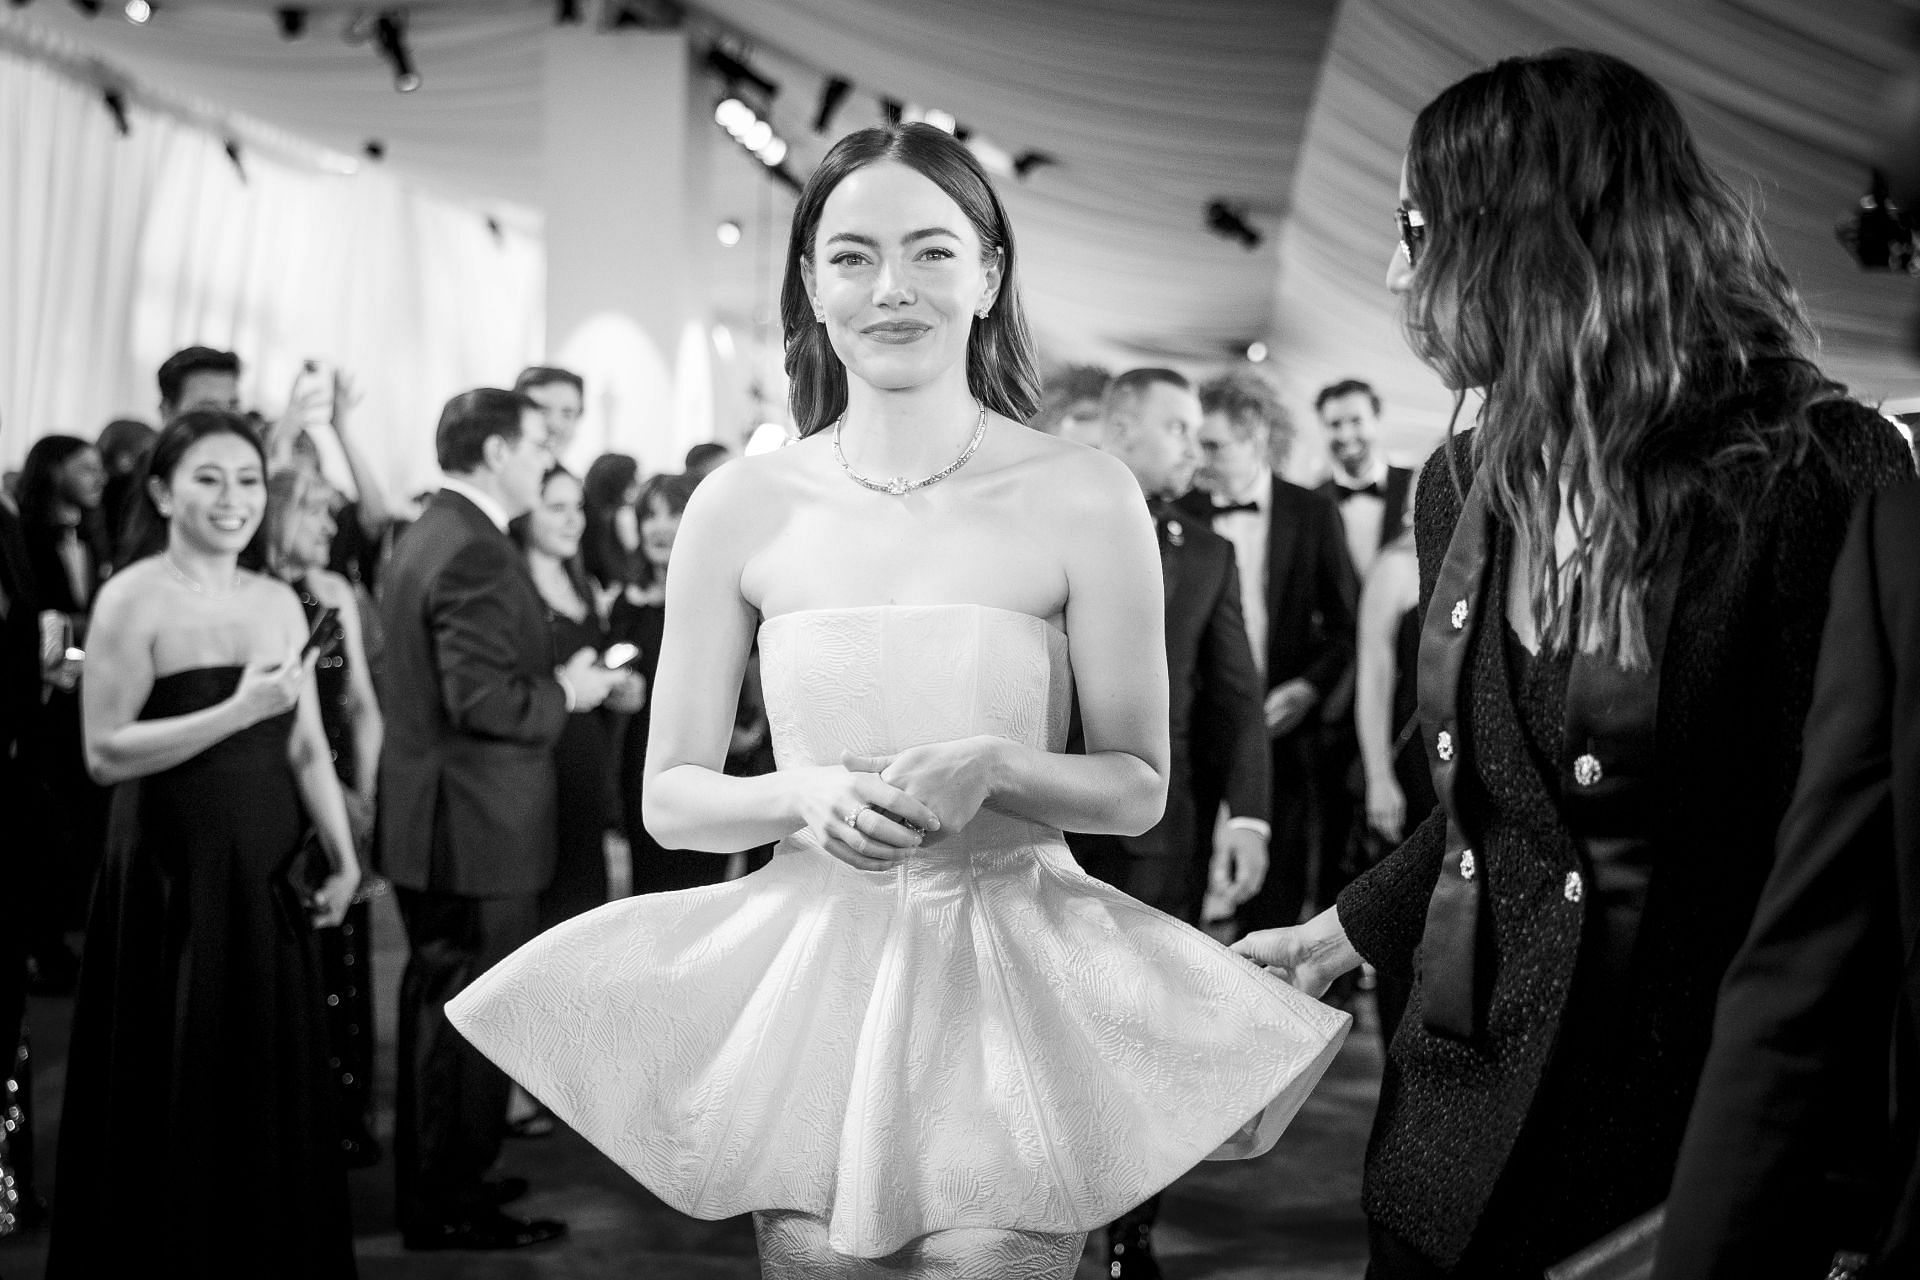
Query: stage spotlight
column 292, row 22
column 1230, row 223
column 1027, row 161
column 566, row 13
column 1257, row 352
column 116, row 104
column 375, row 149
column 832, row 94
column 728, row 233
column 139, row 12
column 390, row 37
column 89, row 7
column 891, row 109
column 233, row 156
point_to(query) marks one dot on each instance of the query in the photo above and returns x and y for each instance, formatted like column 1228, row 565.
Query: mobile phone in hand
column 619, row 655
column 324, row 636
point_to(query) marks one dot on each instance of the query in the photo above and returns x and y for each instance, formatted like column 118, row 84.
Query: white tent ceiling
column 1295, row 109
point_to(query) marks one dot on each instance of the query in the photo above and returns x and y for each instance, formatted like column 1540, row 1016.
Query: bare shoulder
column 129, row 597
column 1079, row 481
column 276, row 603
column 746, row 485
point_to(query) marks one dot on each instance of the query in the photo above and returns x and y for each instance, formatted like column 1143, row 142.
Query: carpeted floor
column 1292, row 1214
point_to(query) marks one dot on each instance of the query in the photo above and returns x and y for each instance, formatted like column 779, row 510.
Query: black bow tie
column 1341, row 492
column 1228, row 508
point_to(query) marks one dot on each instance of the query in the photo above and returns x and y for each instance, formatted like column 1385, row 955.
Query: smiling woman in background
column 200, row 1130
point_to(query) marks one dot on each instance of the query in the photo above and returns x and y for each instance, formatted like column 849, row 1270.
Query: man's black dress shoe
column 1130, row 1253
column 499, row 1191
column 487, row 1229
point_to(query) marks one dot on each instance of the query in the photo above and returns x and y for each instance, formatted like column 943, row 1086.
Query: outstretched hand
column 1308, row 956
column 950, row 778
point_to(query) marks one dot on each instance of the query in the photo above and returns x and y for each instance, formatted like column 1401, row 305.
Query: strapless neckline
column 1052, row 631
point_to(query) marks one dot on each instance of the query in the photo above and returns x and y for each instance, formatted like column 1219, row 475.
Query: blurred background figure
column 703, row 458
column 61, row 487
column 124, row 445
column 198, row 378
column 200, row 1126
column 321, row 403
column 1070, row 402
column 562, row 397
column 610, row 545
column 298, row 535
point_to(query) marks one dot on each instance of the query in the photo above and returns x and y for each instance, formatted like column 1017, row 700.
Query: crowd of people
column 1514, row 740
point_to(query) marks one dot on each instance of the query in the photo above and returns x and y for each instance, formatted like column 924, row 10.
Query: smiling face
column 556, row 522
column 898, row 277
column 1352, row 426
column 215, row 497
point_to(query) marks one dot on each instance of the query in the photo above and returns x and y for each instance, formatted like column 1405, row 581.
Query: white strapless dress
column 986, row 1037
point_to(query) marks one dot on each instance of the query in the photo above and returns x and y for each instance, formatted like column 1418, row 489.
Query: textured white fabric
column 985, row 1037
column 793, row 1246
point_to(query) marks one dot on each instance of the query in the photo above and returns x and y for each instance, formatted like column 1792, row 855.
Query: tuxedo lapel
column 1170, row 526
column 1283, row 540
column 1399, row 483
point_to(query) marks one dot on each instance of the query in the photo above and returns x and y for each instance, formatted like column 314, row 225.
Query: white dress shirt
column 1363, row 513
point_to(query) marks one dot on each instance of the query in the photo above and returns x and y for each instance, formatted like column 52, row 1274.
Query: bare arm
column 1391, row 588
column 120, row 675
column 687, row 801
column 374, row 512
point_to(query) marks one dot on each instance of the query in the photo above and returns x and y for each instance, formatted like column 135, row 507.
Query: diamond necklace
column 898, row 485
column 186, row 580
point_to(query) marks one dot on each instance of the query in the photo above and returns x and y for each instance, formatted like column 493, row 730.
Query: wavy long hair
column 603, row 493
column 1622, row 310
column 1000, row 365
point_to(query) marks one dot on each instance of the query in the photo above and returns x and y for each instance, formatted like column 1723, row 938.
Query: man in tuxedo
column 473, row 706
column 1148, row 419
column 1372, row 494
column 1803, row 1139
column 1298, row 584
column 1372, row 497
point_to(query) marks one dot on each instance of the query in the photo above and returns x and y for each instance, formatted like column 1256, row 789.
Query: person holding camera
column 468, row 808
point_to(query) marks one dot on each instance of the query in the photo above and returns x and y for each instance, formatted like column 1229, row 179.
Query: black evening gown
column 346, row 953
column 655, row 868
column 200, row 1135
column 582, row 761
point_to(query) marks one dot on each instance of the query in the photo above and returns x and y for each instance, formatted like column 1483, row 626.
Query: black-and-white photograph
column 1002, row 640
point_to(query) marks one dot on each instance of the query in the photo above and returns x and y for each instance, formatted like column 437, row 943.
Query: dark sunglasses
column 1413, row 231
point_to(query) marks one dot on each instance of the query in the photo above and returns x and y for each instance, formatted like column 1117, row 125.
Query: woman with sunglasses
column 1623, row 575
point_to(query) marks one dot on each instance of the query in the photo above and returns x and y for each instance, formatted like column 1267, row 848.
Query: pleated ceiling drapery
column 115, row 251
column 1295, row 110
column 1788, row 100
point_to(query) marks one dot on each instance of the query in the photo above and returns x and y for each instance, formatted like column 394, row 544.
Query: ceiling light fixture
column 139, row 12
column 390, row 37
column 292, row 22
column 832, row 94
column 1230, row 223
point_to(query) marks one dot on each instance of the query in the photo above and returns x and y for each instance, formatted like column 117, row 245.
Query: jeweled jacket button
column 1467, row 864
column 1459, row 615
column 1575, row 888
column 1443, row 745
column 1587, row 770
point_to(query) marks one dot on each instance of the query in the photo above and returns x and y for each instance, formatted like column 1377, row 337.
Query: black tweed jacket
column 1562, row 1119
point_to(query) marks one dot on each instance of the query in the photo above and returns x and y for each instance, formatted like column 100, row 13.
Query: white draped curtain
column 116, row 251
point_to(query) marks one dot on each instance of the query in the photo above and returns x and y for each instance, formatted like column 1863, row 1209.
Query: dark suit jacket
column 1312, row 595
column 472, row 711
column 1211, row 681
column 1830, row 974
column 19, row 643
column 1599, row 1061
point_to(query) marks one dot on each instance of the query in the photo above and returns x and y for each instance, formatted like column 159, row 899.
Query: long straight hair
column 1620, row 306
column 1000, row 366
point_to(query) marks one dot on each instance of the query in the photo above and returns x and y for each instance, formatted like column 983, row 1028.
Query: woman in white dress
column 920, row 1041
